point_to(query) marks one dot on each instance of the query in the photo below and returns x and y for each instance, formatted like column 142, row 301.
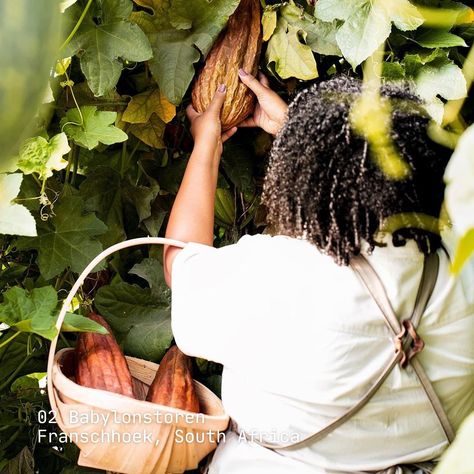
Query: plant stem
column 15, row 372
column 78, row 24
column 123, row 157
column 64, row 339
column 75, row 165
column 13, row 438
column 4, row 343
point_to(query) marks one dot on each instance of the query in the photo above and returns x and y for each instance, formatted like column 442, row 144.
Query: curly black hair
column 323, row 183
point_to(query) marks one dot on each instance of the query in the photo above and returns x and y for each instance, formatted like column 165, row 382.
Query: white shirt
column 301, row 341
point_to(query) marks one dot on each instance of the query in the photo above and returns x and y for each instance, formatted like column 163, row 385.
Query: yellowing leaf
column 15, row 219
column 62, row 66
column 143, row 105
column 404, row 15
column 269, row 23
column 40, row 156
column 151, row 132
column 291, row 57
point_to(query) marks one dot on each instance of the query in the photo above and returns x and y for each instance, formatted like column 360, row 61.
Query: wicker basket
column 125, row 435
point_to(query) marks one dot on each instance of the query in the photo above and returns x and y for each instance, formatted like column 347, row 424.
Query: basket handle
column 105, row 253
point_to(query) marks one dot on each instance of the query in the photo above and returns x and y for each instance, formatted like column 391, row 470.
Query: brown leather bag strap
column 408, row 337
column 405, row 336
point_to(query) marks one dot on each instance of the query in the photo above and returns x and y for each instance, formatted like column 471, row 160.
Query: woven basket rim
column 103, row 399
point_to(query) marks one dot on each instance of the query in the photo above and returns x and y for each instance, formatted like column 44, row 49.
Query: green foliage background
column 109, row 147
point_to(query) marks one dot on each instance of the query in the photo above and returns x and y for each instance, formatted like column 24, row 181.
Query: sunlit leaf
column 33, row 311
column 291, row 57
column 89, row 127
column 15, row 219
column 41, row 156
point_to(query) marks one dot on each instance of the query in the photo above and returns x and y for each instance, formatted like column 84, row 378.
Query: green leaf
column 178, row 32
column 105, row 38
column 102, row 193
column 239, row 166
column 92, row 128
column 367, row 24
column 439, row 39
column 151, row 270
column 445, row 80
column 363, row 32
column 458, row 458
column 77, row 323
column 68, row 240
column 15, row 219
column 22, row 463
column 28, row 381
column 414, row 63
column 140, row 317
column 33, row 311
column 404, row 15
column 393, row 71
column 11, row 273
column 41, row 156
column 141, row 197
column 320, row 36
column 291, row 57
column 329, row 10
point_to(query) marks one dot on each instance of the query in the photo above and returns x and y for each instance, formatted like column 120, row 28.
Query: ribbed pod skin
column 238, row 46
column 100, row 362
column 173, row 384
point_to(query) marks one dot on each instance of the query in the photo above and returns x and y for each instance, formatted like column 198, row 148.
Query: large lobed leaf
column 68, row 240
column 179, row 32
column 367, row 23
column 140, row 317
column 105, row 38
column 88, row 127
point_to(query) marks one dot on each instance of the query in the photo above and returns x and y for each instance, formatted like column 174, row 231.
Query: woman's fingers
column 218, row 100
column 263, row 79
column 226, row 135
column 191, row 112
column 252, row 83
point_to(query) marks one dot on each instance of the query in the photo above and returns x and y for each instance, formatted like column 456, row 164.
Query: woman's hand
column 206, row 127
column 271, row 109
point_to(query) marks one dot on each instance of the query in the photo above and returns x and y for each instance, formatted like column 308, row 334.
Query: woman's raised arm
column 192, row 215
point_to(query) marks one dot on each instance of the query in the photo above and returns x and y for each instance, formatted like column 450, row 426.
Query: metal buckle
column 410, row 349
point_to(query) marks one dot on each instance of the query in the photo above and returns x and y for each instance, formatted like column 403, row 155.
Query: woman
column 303, row 343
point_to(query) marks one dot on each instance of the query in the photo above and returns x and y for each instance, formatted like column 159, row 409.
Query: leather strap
column 428, row 281
column 407, row 345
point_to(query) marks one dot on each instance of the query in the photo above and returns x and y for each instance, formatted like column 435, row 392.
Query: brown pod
column 100, row 362
column 173, row 385
column 238, row 46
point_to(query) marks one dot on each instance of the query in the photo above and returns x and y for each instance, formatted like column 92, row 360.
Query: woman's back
column 303, row 342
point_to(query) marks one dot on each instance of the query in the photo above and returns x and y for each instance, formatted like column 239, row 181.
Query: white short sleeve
column 206, row 282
